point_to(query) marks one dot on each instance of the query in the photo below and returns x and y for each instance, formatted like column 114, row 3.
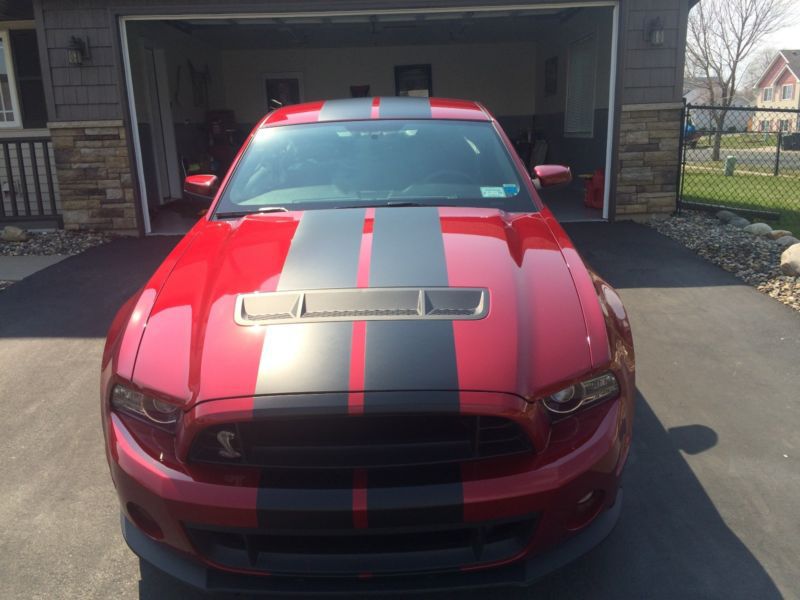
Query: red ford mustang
column 377, row 364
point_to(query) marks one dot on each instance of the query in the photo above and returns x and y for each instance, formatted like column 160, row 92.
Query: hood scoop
column 368, row 304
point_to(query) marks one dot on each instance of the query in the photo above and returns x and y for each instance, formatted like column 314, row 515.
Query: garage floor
column 176, row 217
column 567, row 204
column 711, row 490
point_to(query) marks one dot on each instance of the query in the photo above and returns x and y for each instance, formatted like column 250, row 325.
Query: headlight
column 588, row 391
column 157, row 412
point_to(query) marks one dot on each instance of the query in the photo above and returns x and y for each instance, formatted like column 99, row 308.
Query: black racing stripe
column 408, row 250
column 420, row 496
column 300, row 359
column 324, row 251
column 411, row 355
column 306, row 358
column 305, row 500
column 314, row 357
column 404, row 108
column 346, row 109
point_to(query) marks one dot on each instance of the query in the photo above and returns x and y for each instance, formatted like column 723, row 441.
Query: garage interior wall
column 501, row 75
column 178, row 50
column 584, row 155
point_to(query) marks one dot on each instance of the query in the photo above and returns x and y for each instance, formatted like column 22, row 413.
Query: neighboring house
column 106, row 103
column 779, row 87
column 697, row 92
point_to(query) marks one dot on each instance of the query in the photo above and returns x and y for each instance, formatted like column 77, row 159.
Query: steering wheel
column 438, row 175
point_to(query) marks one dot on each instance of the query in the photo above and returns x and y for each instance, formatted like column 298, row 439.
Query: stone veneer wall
column 94, row 176
column 649, row 136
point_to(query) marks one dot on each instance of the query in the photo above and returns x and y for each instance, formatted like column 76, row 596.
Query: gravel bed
column 754, row 260
column 53, row 242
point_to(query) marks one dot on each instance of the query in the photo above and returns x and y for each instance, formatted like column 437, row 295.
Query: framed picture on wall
column 551, row 76
column 283, row 89
column 413, row 80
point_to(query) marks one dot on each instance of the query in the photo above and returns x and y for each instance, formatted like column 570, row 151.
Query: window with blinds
column 9, row 116
column 581, row 74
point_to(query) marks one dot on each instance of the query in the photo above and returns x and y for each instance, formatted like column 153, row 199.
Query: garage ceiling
column 375, row 30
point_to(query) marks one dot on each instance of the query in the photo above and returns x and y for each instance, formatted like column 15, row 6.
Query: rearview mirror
column 203, row 186
column 550, row 175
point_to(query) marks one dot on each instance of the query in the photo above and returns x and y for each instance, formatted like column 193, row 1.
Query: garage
column 197, row 84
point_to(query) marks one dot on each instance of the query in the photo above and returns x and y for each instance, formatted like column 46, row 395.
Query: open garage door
column 198, row 83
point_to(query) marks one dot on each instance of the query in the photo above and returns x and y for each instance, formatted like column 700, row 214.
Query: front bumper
column 519, row 574
column 589, row 458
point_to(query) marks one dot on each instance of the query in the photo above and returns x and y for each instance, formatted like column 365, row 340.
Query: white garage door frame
column 123, row 20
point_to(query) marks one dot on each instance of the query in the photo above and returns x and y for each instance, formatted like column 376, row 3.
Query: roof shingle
column 793, row 60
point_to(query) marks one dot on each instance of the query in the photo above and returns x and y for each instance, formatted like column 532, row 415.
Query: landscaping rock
column 739, row 222
column 777, row 234
column 14, row 234
column 53, row 242
column 726, row 216
column 761, row 229
column 790, row 261
column 755, row 260
column 786, row 241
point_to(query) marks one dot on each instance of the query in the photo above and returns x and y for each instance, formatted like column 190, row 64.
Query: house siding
column 783, row 78
column 95, row 91
column 653, row 74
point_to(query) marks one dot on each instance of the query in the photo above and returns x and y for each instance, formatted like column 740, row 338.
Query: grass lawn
column 751, row 139
column 757, row 164
column 779, row 194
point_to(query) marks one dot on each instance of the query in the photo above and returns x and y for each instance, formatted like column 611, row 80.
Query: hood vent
column 368, row 304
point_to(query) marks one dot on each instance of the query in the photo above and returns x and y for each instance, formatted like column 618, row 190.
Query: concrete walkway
column 16, row 268
column 712, row 492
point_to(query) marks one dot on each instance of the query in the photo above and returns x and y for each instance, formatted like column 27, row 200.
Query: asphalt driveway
column 712, row 490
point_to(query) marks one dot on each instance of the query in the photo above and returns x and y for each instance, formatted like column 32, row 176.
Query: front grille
column 364, row 441
column 373, row 551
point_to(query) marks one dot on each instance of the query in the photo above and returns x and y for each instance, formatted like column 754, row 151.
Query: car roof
column 388, row 107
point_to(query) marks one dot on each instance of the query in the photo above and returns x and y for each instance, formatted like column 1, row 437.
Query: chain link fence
column 745, row 159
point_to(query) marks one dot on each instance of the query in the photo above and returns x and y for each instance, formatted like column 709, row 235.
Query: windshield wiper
column 396, row 203
column 243, row 213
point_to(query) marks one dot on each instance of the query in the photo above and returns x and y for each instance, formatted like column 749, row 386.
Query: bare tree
column 755, row 68
column 722, row 36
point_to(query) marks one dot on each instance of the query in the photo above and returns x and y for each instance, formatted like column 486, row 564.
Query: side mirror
column 203, row 186
column 550, row 175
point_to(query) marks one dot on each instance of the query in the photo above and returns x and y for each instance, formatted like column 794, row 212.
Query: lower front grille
column 364, row 441
column 372, row 551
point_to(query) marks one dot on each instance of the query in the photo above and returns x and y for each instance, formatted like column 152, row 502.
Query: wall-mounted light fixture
column 78, row 50
column 654, row 32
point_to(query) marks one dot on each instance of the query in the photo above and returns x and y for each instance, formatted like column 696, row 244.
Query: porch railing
column 27, row 182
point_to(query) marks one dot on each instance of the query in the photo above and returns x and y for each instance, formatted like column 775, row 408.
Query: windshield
column 375, row 163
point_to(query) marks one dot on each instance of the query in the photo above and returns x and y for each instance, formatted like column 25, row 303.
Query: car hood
column 532, row 336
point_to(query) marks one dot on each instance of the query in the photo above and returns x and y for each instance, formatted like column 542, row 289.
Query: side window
column 9, row 106
column 29, row 78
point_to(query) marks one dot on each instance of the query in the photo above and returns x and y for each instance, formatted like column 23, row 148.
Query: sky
column 786, row 39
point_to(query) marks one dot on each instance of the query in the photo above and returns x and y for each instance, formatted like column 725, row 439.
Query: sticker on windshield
column 511, row 189
column 493, row 192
